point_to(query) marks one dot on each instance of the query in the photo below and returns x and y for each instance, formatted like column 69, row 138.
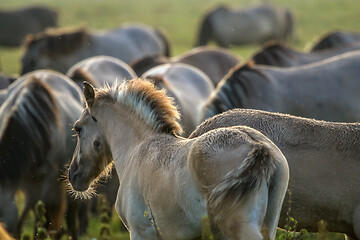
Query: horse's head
column 32, row 58
column 92, row 157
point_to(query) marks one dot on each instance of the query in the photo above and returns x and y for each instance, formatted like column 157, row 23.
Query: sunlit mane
column 145, row 101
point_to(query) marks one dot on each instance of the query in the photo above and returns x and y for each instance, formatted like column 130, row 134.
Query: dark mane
column 80, row 75
column 141, row 65
column 335, row 39
column 28, row 121
column 274, row 54
column 146, row 102
column 56, row 42
column 232, row 90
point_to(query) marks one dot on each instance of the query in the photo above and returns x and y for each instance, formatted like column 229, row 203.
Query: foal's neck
column 123, row 132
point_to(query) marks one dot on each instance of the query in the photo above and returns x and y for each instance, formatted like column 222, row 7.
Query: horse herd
column 247, row 144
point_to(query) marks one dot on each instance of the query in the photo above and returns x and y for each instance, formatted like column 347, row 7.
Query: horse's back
column 276, row 54
column 101, row 70
column 132, row 42
column 335, row 40
column 311, row 90
column 214, row 62
column 57, row 81
column 246, row 26
column 184, row 78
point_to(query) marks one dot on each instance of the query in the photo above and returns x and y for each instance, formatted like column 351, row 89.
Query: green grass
column 179, row 19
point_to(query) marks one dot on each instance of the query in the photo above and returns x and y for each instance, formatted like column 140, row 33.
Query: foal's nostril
column 73, row 173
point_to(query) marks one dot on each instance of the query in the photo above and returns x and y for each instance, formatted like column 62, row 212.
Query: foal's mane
column 28, row 118
column 146, row 102
column 57, row 42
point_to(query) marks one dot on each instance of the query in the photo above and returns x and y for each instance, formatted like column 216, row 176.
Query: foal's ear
column 89, row 93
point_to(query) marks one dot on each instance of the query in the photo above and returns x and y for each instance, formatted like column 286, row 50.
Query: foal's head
column 138, row 98
column 92, row 157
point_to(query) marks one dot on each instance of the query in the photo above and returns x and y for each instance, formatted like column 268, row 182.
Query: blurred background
column 180, row 20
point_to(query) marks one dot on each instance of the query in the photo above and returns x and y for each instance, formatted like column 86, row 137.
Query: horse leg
column 245, row 221
column 275, row 199
column 8, row 209
column 55, row 206
column 72, row 217
column 83, row 217
column 356, row 223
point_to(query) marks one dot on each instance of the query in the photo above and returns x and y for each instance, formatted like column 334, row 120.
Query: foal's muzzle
column 76, row 178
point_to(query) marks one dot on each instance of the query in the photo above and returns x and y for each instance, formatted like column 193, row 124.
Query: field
column 179, row 20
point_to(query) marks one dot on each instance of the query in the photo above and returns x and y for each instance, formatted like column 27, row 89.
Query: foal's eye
column 77, row 129
column 96, row 143
column 94, row 119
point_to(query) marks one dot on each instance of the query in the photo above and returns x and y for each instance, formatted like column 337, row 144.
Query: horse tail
column 289, row 26
column 257, row 169
column 206, row 30
column 31, row 117
column 165, row 41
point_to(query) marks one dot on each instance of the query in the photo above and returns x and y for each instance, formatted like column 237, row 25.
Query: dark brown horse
column 16, row 24
column 36, row 141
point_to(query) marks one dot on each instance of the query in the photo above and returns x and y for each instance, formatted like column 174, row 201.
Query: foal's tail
column 258, row 168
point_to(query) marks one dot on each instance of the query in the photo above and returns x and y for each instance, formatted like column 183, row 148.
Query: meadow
column 179, row 20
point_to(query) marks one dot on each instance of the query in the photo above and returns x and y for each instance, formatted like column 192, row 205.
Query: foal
column 235, row 175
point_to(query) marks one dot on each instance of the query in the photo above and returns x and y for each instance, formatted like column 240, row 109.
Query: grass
column 180, row 20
